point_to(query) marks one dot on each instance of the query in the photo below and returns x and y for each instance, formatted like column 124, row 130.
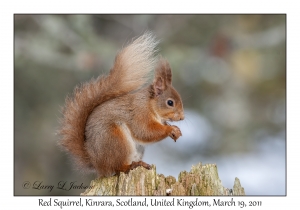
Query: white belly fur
column 137, row 150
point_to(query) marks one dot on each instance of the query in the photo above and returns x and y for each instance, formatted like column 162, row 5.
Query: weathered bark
column 201, row 180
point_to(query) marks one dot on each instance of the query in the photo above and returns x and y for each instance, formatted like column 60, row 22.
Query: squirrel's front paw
column 175, row 133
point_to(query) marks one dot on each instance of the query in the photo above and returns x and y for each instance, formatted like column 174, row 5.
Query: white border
column 112, row 6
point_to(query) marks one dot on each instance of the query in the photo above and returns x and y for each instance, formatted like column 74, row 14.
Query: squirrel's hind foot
column 133, row 165
column 139, row 163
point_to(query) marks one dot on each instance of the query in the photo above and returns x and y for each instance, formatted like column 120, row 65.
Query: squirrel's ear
column 163, row 76
column 158, row 85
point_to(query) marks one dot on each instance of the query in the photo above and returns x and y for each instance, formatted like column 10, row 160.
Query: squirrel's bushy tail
column 130, row 72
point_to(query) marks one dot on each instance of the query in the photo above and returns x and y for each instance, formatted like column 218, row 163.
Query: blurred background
column 229, row 69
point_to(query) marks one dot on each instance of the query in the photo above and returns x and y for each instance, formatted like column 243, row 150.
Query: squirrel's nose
column 182, row 117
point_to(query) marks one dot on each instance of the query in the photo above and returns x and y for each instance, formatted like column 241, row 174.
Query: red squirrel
column 108, row 121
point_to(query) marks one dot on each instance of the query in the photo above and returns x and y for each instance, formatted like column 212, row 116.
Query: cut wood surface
column 201, row 180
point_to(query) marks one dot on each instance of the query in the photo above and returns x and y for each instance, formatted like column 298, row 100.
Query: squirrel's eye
column 170, row 103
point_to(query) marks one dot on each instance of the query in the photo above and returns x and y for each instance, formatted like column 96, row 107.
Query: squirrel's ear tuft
column 163, row 76
column 158, row 85
column 168, row 72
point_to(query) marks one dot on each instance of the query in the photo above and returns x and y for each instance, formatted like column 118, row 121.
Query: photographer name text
column 62, row 185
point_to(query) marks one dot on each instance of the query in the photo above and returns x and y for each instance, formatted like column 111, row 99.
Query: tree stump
column 201, row 180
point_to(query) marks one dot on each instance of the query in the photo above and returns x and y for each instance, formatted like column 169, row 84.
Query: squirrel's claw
column 175, row 133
